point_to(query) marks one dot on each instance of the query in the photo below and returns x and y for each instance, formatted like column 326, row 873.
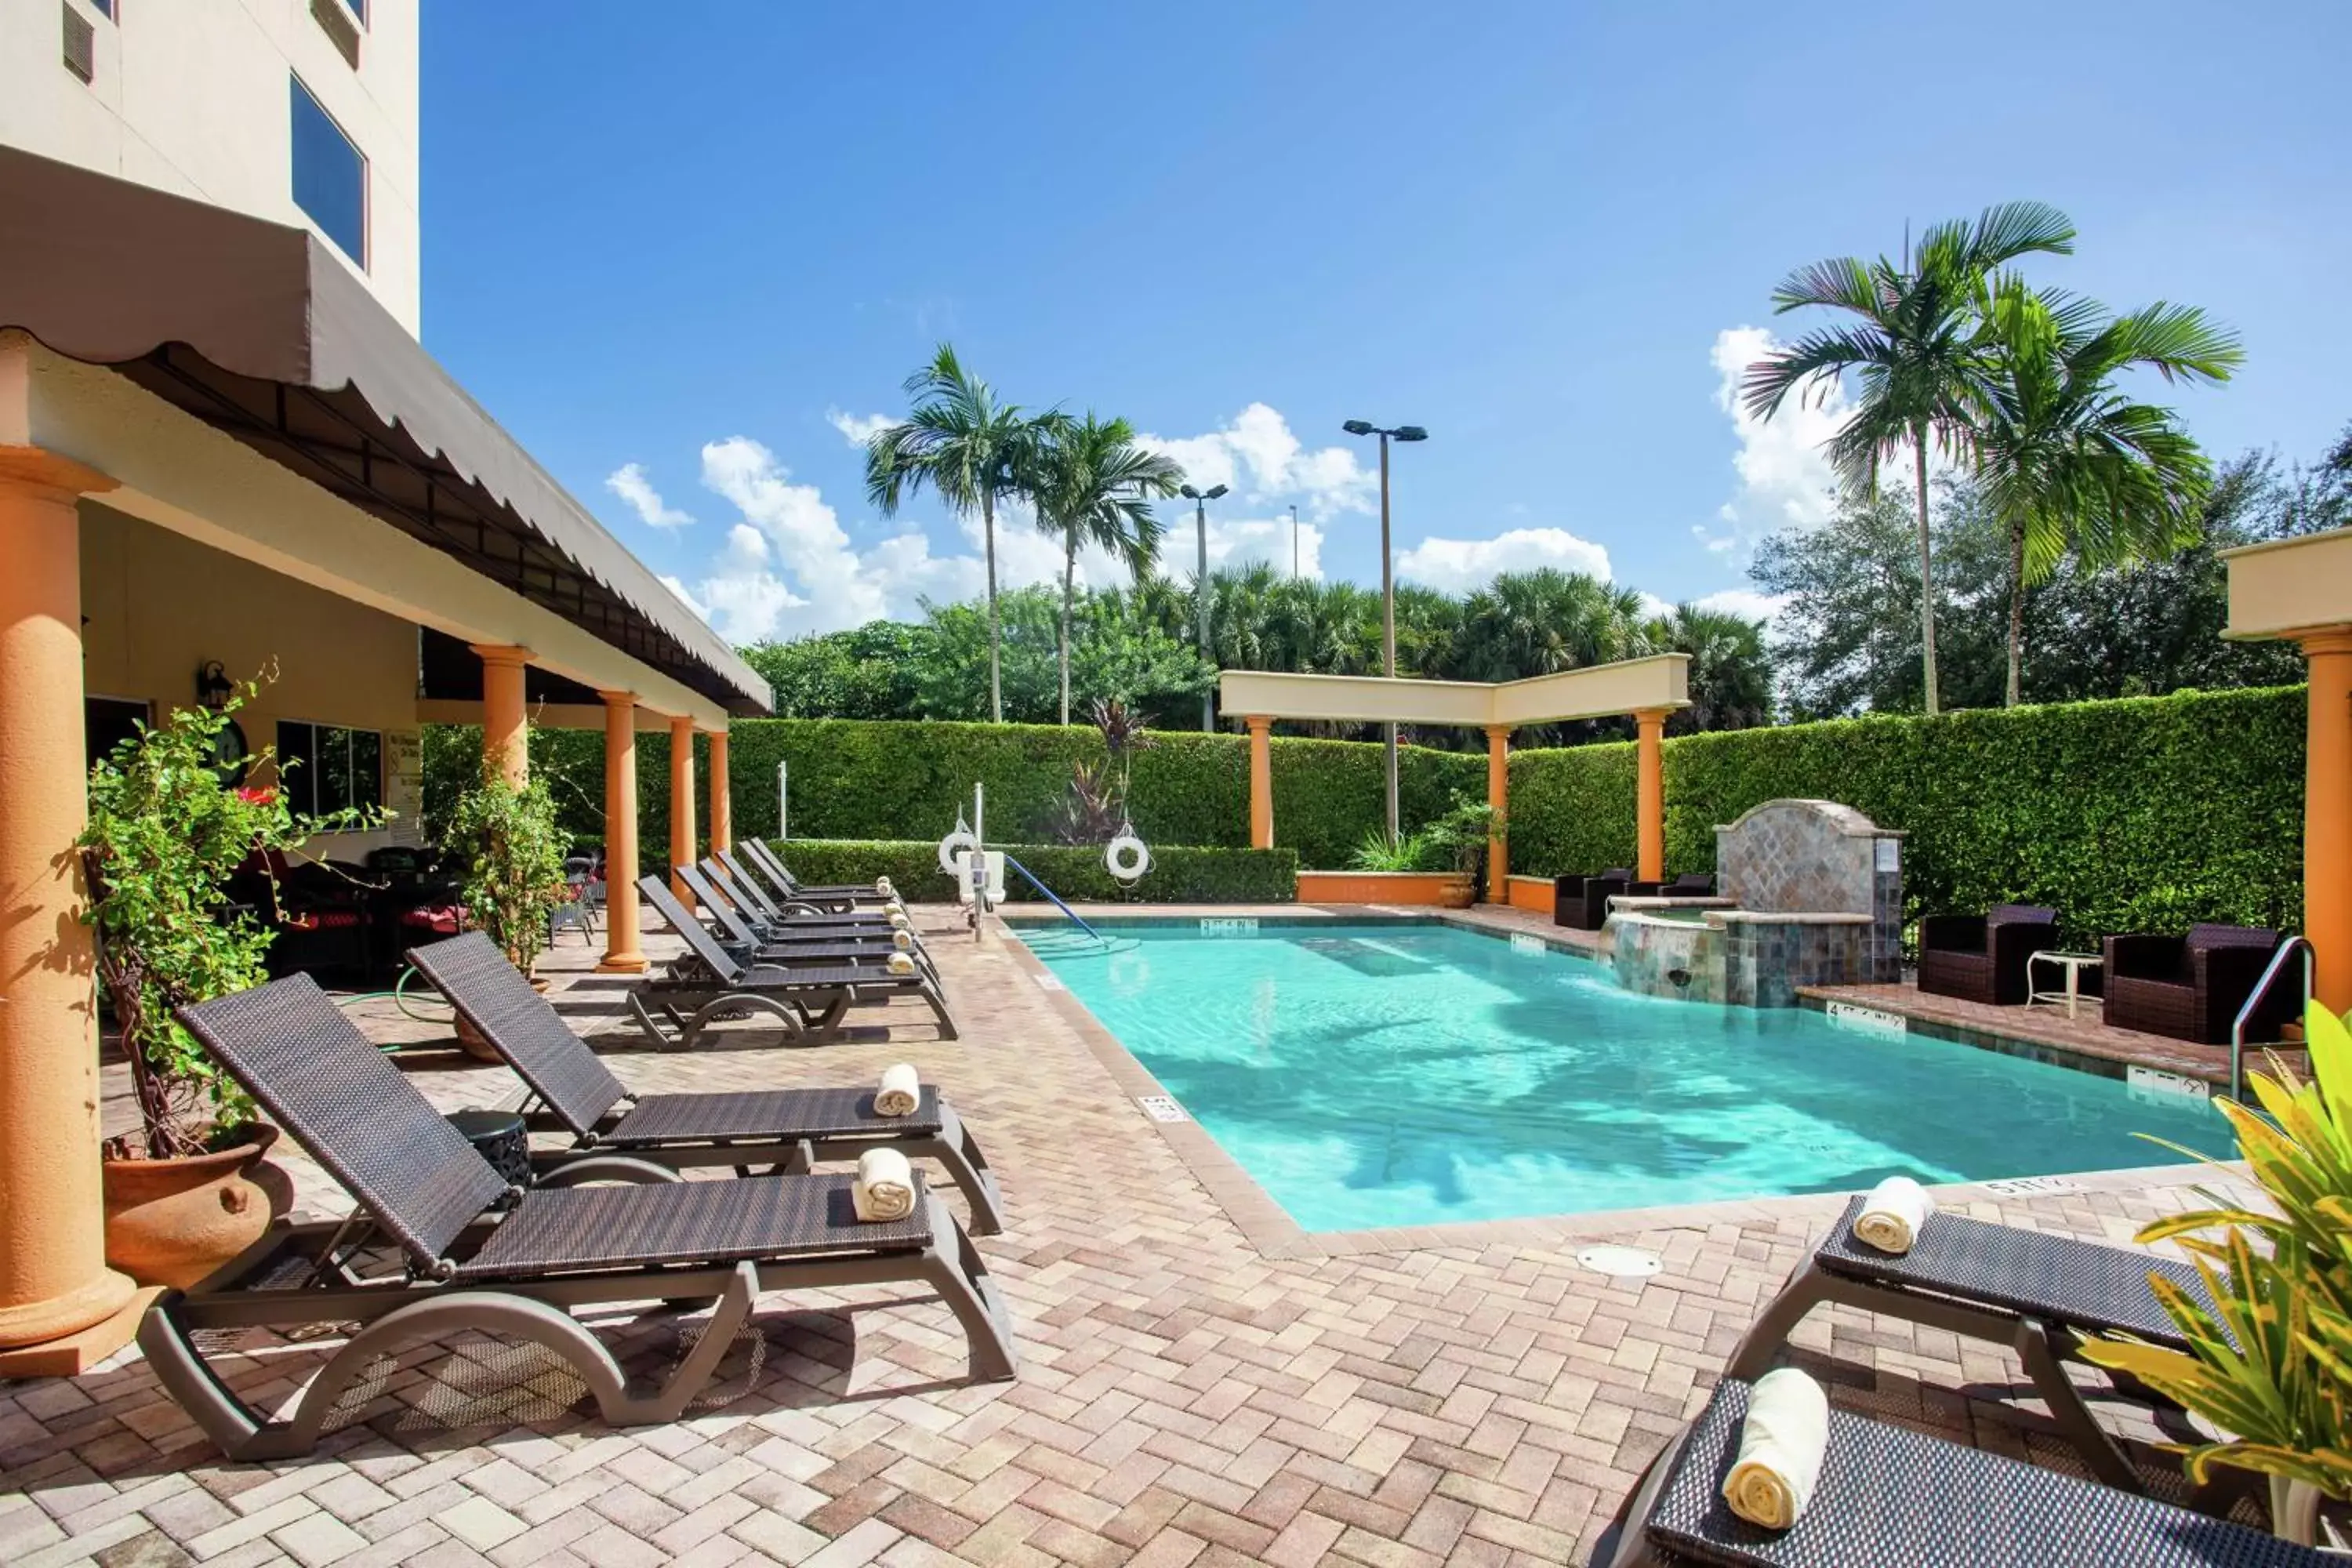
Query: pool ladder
column 2286, row 949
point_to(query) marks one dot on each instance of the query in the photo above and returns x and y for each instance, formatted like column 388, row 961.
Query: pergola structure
column 218, row 450
column 2300, row 591
column 1647, row 688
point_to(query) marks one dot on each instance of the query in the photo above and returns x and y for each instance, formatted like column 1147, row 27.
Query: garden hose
column 401, row 999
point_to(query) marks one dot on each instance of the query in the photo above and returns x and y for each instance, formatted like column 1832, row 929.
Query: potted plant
column 512, row 848
column 167, row 830
column 2271, row 1366
column 1449, row 853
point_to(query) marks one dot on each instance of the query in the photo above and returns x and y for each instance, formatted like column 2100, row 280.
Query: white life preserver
column 1126, row 857
column 956, row 841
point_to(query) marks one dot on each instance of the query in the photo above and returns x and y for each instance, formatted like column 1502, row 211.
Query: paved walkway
column 1186, row 1398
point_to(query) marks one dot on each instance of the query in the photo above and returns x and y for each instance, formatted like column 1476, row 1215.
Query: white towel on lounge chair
column 885, row 1188
column 1892, row 1215
column 899, row 964
column 898, row 920
column 898, row 1091
column 1780, row 1448
column 901, row 940
column 882, row 886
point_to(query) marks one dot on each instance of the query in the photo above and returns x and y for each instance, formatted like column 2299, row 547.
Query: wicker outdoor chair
column 1983, row 958
column 1582, row 902
column 708, row 982
column 794, row 942
column 1689, row 885
column 1891, row 1498
column 834, row 896
column 2190, row 988
column 787, row 1129
column 774, row 907
column 795, row 921
column 2042, row 1296
column 440, row 1245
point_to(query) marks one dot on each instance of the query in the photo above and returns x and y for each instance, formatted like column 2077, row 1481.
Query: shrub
column 2139, row 815
column 1178, row 874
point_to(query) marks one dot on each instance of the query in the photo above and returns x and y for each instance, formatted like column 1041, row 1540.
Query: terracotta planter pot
column 470, row 1041
column 173, row 1222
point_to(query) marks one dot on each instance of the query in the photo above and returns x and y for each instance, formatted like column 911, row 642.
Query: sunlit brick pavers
column 1185, row 1399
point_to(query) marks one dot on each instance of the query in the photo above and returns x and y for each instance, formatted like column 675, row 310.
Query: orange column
column 722, row 804
column 1261, row 766
column 622, row 956
column 681, row 804
column 1498, row 796
column 2327, row 813
column 503, row 731
column 62, row 1308
column 1650, row 794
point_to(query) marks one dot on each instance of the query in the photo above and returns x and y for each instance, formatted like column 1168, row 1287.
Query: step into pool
column 1377, row 1075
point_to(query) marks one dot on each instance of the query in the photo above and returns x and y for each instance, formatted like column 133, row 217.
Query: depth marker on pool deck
column 1526, row 941
column 1160, row 1107
column 1050, row 983
column 2028, row 1187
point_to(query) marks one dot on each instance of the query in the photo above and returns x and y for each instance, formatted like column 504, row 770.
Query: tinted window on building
column 330, row 176
column 332, row 768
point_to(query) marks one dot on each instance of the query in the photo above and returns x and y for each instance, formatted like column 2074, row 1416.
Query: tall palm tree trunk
column 2016, row 607
column 988, row 536
column 1927, row 573
column 1069, row 575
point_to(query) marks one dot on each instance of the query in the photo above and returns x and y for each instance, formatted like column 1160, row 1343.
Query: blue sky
column 684, row 253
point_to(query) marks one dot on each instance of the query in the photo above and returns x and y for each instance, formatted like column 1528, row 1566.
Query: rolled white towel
column 899, row 1091
column 882, row 886
column 1892, row 1215
column 1780, row 1448
column 898, row 920
column 902, row 939
column 885, row 1189
column 900, row 963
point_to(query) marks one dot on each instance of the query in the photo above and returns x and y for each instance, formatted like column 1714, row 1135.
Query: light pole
column 1294, row 540
column 1200, row 499
column 1388, row 586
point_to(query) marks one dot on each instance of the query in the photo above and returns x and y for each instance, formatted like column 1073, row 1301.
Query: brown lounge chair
column 1983, row 958
column 1582, row 902
column 1889, row 1497
column 787, row 1129
column 708, row 982
column 780, row 913
column 2042, row 1296
column 2192, row 987
column 448, row 1247
column 834, row 896
column 790, row 940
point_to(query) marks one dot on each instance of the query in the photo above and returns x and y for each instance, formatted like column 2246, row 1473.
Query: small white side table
column 2073, row 963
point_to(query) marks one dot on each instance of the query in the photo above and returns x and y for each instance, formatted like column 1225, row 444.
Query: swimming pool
column 1375, row 1075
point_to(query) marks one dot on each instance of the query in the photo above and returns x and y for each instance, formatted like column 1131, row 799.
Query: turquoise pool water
column 1387, row 1075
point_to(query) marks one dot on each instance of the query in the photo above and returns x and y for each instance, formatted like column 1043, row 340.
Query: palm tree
column 1918, row 347
column 2066, row 460
column 1538, row 622
column 1094, row 485
column 969, row 447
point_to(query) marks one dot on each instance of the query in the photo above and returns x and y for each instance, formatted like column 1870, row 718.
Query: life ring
column 1125, row 858
column 957, row 840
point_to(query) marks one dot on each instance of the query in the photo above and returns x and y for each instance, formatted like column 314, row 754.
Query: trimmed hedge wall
column 1178, row 875
column 2140, row 815
column 876, row 780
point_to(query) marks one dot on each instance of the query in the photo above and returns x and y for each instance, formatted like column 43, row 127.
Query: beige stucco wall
column 2287, row 586
column 192, row 97
column 1661, row 680
column 158, row 606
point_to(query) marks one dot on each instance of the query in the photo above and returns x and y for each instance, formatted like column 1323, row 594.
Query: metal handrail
column 1051, row 898
column 2254, row 1000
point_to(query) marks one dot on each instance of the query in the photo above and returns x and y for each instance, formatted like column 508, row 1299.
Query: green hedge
column 1178, row 875
column 2140, row 815
column 869, row 779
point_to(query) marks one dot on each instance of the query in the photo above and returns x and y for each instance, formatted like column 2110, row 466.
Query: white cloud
column 1746, row 602
column 1784, row 476
column 1458, row 565
column 1259, row 458
column 857, row 428
column 629, row 482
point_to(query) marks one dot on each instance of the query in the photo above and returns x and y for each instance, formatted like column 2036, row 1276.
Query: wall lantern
column 214, row 687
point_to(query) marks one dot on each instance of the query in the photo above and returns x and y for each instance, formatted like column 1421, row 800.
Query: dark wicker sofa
column 1689, row 885
column 1582, row 902
column 1982, row 958
column 2190, row 988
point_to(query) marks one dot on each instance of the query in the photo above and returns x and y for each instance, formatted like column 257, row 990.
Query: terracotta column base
column 75, row 1353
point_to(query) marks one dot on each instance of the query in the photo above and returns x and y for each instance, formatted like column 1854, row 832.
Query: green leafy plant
column 513, row 847
column 1410, row 852
column 166, row 834
column 1458, row 839
column 2272, row 1363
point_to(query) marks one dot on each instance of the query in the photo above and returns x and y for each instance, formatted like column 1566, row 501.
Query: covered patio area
column 1647, row 689
column 220, row 459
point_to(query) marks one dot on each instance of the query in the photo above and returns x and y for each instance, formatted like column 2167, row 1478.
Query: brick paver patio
column 1186, row 1397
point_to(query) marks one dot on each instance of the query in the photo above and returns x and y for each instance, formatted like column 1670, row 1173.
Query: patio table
column 2073, row 963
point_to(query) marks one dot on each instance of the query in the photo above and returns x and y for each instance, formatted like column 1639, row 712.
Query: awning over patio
column 256, row 329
